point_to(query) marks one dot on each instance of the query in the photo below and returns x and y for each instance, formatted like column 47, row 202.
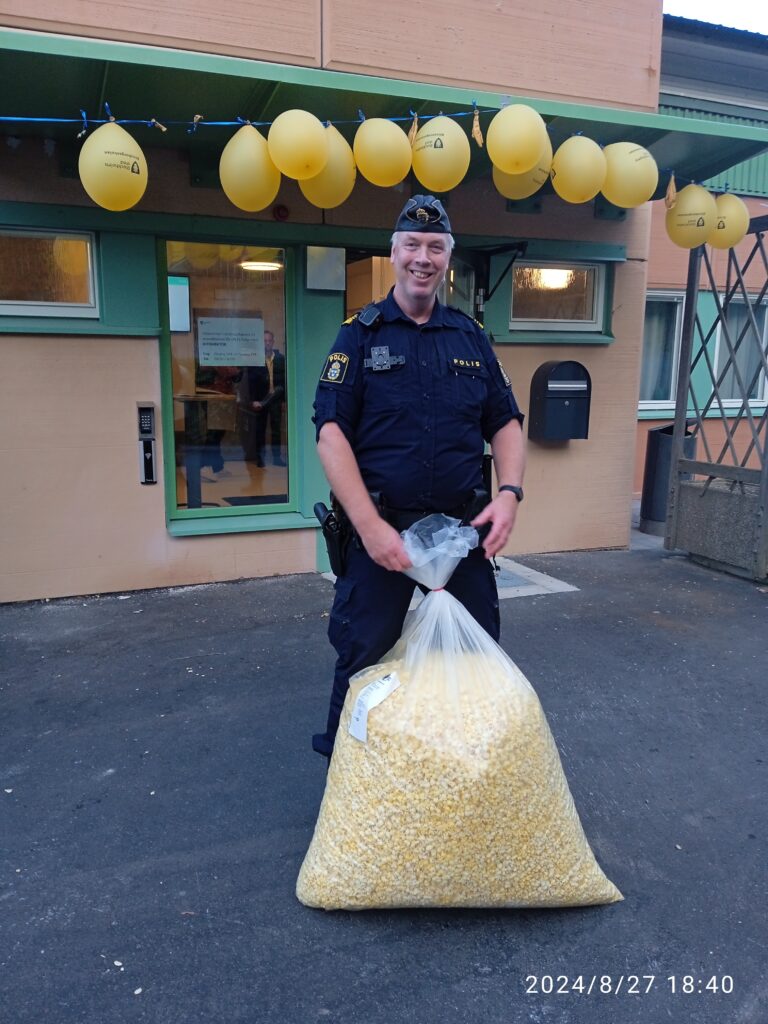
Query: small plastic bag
column 445, row 787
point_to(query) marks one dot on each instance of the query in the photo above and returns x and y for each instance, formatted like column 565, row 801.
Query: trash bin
column 658, row 464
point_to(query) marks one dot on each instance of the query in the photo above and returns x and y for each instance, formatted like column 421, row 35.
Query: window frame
column 678, row 297
column 733, row 404
column 595, row 325
column 63, row 310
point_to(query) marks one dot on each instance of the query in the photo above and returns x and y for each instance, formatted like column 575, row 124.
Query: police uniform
column 416, row 402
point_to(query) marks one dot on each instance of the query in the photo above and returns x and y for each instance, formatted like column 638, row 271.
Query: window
column 661, row 344
column 228, row 367
column 747, row 358
column 557, row 296
column 47, row 274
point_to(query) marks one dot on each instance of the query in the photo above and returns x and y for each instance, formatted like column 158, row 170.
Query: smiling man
column 408, row 396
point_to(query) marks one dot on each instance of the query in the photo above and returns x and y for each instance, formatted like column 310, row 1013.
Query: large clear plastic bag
column 449, row 789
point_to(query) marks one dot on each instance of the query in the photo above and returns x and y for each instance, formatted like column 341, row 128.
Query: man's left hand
column 501, row 513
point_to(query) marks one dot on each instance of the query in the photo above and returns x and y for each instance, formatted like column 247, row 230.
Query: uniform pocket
column 467, row 385
column 385, row 389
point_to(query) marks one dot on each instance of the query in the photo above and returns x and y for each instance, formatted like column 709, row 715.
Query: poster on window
column 230, row 341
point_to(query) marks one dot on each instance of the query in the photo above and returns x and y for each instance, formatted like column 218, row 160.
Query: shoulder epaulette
column 350, row 319
column 455, row 309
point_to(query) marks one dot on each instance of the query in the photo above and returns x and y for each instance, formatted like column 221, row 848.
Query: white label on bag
column 370, row 697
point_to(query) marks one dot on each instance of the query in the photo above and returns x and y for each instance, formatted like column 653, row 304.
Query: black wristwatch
column 517, row 491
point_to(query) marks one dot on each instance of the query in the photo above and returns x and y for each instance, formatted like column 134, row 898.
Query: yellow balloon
column 333, row 185
column 230, row 253
column 516, row 138
column 731, row 222
column 176, row 253
column 249, row 178
column 520, row 186
column 298, row 144
column 71, row 256
column 113, row 169
column 578, row 169
column 440, row 154
column 632, row 175
column 692, row 218
column 382, row 152
column 202, row 255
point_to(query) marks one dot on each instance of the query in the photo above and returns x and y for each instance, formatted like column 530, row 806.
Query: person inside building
column 263, row 396
column 408, row 396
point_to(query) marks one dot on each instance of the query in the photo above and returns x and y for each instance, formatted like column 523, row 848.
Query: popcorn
column 458, row 796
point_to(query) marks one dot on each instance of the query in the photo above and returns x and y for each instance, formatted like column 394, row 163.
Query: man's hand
column 385, row 546
column 257, row 406
column 501, row 513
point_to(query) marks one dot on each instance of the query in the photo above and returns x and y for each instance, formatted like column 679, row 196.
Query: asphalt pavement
column 158, row 793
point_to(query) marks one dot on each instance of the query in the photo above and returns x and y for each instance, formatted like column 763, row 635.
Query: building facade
column 151, row 325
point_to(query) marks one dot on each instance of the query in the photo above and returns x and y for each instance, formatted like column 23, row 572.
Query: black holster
column 337, row 531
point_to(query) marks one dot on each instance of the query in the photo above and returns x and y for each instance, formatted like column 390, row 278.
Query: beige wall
column 287, row 34
column 601, row 51
column 74, row 518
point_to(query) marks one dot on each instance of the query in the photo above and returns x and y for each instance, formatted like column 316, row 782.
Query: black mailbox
column 560, row 398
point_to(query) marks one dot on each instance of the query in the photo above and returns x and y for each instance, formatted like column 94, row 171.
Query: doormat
column 270, row 499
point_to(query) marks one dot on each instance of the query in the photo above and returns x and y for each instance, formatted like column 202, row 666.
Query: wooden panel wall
column 288, row 33
column 598, row 51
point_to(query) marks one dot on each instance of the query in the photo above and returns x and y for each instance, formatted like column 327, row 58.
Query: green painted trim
column 551, row 248
column 553, row 338
column 758, row 408
column 316, row 78
column 70, row 325
column 125, row 282
column 210, row 525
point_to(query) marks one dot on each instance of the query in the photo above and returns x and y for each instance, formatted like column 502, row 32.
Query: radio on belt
column 147, row 459
column 561, row 393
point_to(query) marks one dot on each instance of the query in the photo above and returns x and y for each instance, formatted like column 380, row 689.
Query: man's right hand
column 385, row 546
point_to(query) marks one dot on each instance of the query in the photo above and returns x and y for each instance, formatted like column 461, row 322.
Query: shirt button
column 423, row 362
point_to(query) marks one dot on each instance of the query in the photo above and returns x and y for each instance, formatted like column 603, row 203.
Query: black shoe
column 259, row 462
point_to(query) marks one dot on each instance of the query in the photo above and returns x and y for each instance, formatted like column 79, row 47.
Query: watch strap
column 517, row 491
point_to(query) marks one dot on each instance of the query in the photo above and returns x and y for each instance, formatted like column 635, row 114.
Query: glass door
column 228, row 365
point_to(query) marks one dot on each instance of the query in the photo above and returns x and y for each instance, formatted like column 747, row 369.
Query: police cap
column 424, row 213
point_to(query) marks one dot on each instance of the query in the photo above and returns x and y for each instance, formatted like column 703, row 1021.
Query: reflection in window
column 228, row 355
column 747, row 352
column 661, row 338
column 548, row 296
column 46, row 274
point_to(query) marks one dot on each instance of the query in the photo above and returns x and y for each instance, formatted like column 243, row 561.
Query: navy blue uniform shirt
column 418, row 427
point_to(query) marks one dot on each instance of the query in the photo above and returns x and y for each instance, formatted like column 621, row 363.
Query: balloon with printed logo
column 248, row 176
column 382, row 152
column 113, row 169
column 440, row 154
column 334, row 184
column 578, row 169
column 298, row 144
column 731, row 222
column 516, row 138
column 692, row 218
column 631, row 175
column 521, row 186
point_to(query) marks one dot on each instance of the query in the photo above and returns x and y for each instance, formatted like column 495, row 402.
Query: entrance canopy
column 49, row 76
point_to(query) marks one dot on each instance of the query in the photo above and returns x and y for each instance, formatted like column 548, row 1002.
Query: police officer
column 408, row 395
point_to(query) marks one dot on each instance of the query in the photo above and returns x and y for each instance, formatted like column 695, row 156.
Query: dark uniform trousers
column 368, row 614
